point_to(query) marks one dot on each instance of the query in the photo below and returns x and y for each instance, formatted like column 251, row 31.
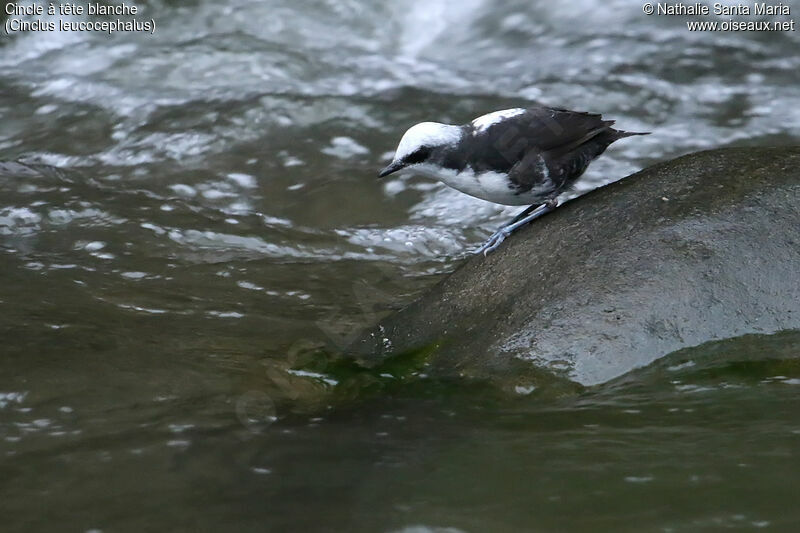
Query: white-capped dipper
column 512, row 157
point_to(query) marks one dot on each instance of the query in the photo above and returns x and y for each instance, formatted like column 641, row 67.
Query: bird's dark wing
column 506, row 143
column 552, row 129
column 557, row 169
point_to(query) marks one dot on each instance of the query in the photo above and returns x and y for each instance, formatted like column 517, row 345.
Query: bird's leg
column 526, row 217
column 525, row 212
column 499, row 235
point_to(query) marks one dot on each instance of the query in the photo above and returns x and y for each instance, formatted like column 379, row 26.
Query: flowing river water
column 193, row 208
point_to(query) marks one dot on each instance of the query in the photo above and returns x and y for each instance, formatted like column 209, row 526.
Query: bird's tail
column 619, row 134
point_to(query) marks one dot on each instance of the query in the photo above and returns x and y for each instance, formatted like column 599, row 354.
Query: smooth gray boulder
column 700, row 248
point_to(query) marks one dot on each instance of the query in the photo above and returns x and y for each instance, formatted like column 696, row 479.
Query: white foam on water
column 344, row 148
column 249, row 286
column 242, row 180
column 19, row 220
column 426, row 22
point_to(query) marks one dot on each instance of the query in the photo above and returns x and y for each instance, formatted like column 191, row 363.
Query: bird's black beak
column 393, row 167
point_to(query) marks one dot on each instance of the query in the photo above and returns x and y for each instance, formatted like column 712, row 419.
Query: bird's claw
column 524, row 218
column 493, row 242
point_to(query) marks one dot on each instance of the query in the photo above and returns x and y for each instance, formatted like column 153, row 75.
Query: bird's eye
column 418, row 156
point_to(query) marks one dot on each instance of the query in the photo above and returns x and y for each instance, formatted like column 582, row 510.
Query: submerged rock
column 701, row 248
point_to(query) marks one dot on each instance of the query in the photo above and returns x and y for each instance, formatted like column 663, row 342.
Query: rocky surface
column 700, row 248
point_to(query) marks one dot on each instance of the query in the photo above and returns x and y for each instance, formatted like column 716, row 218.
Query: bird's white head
column 419, row 142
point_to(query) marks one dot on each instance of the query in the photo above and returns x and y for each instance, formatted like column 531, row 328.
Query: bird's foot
column 500, row 235
column 494, row 241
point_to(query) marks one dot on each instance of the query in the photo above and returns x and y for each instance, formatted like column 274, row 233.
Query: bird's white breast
column 491, row 186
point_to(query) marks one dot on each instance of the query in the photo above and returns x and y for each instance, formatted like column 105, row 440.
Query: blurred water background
column 200, row 205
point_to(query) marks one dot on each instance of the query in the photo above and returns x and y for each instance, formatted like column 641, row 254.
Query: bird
column 520, row 156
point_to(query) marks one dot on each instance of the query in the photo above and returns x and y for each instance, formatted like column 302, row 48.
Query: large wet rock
column 701, row 248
